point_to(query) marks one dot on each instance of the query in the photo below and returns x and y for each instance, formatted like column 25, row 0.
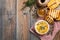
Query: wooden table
column 8, row 19
column 25, row 21
column 14, row 25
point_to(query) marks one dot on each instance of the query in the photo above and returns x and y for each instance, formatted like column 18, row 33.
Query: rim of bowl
column 39, row 32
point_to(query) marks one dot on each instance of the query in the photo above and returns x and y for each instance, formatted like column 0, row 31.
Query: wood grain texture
column 9, row 27
column 8, row 6
column 32, row 22
column 1, row 29
column 7, row 19
column 23, row 29
column 24, row 24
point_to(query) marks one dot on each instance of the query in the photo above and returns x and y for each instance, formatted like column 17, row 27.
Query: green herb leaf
column 30, row 3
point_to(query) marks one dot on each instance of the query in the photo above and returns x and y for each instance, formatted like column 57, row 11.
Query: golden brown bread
column 49, row 19
column 53, row 4
column 58, row 17
column 50, row 2
column 54, row 13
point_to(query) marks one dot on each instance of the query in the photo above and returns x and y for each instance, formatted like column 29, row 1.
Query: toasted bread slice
column 58, row 17
column 49, row 19
column 53, row 4
column 54, row 13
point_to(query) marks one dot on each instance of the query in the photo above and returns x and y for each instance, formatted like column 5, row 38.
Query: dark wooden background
column 8, row 19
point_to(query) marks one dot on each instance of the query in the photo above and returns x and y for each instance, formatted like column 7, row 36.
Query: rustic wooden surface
column 7, row 19
column 24, row 24
column 25, row 21
column 9, row 28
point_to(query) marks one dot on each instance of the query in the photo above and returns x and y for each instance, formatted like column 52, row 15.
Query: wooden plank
column 23, row 26
column 23, row 30
column 9, row 27
column 2, row 5
column 8, row 6
column 32, row 22
column 1, row 28
column 8, row 20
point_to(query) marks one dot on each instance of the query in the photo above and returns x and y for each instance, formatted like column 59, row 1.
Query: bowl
column 41, row 27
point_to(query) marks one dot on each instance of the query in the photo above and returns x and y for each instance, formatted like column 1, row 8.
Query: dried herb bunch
column 29, row 3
